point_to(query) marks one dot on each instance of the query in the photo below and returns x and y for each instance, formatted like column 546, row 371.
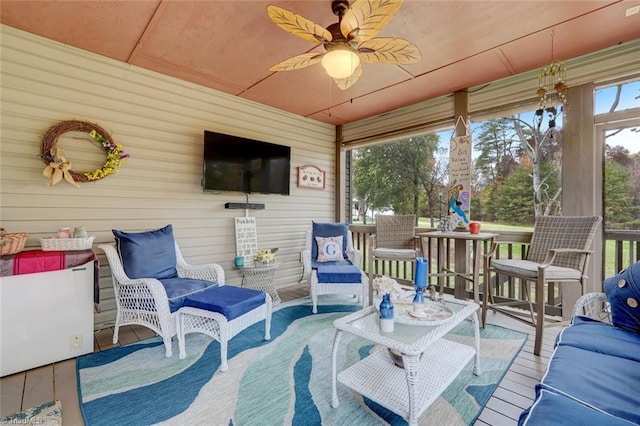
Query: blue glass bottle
column 386, row 314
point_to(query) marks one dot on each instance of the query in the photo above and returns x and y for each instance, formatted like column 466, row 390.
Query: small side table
column 261, row 276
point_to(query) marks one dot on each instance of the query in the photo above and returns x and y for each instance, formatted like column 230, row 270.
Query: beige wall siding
column 160, row 122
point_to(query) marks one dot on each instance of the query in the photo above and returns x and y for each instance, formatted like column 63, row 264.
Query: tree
column 497, row 144
column 366, row 168
column 619, row 205
column 515, row 205
column 621, row 187
column 397, row 175
column 542, row 146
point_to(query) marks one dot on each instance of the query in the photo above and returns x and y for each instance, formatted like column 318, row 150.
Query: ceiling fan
column 349, row 41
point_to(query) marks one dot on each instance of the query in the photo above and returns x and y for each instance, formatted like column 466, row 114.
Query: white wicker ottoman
column 190, row 319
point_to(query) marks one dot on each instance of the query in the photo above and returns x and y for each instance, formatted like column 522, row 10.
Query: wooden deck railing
column 627, row 250
column 623, row 248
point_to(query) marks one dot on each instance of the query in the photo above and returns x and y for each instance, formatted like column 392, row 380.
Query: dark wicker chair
column 558, row 252
column 394, row 240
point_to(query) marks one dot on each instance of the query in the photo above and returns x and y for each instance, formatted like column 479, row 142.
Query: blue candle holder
column 420, row 284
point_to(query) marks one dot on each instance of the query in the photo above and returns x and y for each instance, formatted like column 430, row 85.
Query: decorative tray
column 435, row 313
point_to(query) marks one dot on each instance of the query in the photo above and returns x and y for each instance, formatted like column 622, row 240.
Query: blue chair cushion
column 150, row 254
column 623, row 292
column 328, row 230
column 178, row 289
column 557, row 409
column 227, row 300
column 338, row 274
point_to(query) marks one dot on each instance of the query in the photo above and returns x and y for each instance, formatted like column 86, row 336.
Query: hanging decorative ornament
column 552, row 86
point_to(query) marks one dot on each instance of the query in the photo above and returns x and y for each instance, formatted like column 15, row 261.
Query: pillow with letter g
column 330, row 249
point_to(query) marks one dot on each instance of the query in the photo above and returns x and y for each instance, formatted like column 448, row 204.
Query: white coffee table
column 409, row 391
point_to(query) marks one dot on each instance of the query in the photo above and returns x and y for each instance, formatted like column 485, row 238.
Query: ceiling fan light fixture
column 349, row 41
column 340, row 62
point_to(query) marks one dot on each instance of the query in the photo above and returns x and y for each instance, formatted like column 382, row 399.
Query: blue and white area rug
column 284, row 381
column 49, row 414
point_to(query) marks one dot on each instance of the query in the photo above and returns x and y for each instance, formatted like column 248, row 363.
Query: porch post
column 461, row 110
column 582, row 179
column 340, row 173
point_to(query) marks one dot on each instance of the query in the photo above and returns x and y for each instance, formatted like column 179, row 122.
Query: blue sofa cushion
column 623, row 292
column 589, row 334
column 328, row 230
column 227, row 300
column 604, row 381
column 551, row 408
column 178, row 289
column 332, row 274
column 150, row 254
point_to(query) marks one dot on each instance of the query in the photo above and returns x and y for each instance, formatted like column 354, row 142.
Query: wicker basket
column 65, row 244
column 13, row 243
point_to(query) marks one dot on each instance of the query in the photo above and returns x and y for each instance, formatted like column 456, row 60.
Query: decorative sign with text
column 310, row 177
column 458, row 193
column 246, row 238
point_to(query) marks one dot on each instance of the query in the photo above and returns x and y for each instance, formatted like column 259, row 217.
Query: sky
column 630, row 98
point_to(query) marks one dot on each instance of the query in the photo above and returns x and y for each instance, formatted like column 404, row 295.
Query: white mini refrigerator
column 45, row 317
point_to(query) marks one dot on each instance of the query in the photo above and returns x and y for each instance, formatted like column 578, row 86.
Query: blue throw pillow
column 623, row 292
column 150, row 254
column 328, row 230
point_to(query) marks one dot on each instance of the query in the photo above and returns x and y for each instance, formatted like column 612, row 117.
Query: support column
column 340, row 189
column 582, row 179
column 461, row 110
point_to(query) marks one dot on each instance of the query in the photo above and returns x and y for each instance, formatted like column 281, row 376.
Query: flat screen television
column 233, row 163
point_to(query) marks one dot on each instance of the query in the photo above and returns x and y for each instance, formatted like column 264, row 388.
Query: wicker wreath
column 56, row 163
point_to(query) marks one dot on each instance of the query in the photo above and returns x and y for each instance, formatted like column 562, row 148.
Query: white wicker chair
column 360, row 290
column 593, row 305
column 144, row 301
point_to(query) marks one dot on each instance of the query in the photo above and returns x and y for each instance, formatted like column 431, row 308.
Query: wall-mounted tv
column 233, row 163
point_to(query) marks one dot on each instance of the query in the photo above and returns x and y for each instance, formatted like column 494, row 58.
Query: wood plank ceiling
column 230, row 45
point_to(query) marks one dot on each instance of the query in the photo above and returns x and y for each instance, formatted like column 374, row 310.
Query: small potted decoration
column 266, row 256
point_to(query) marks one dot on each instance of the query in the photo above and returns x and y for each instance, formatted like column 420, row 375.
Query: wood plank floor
column 58, row 381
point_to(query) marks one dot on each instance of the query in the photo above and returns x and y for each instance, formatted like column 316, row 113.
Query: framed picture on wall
column 310, row 176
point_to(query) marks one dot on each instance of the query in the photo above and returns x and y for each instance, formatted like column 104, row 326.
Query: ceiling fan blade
column 365, row 18
column 387, row 50
column 297, row 62
column 298, row 25
column 345, row 83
